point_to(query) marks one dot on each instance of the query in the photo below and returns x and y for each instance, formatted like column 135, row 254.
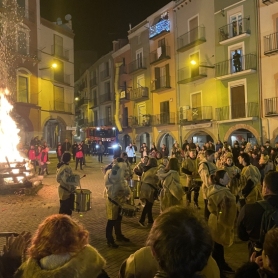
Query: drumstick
column 83, row 176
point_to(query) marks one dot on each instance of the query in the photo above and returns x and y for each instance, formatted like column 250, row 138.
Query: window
column 139, row 58
column 109, row 115
column 59, row 71
column 162, row 78
column 23, row 40
column 236, row 56
column 193, row 28
column 59, row 98
column 23, row 89
column 196, row 103
column 95, row 118
column 164, row 112
column 236, row 24
column 195, row 68
column 58, row 46
column 21, row 3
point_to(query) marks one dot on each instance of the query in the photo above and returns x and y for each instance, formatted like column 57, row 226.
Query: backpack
column 269, row 219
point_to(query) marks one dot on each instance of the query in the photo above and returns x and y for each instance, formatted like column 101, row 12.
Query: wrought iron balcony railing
column 125, row 95
column 94, row 103
column 163, row 82
column 160, row 54
column 167, row 118
column 30, row 52
column 105, row 122
column 59, row 51
column 192, row 38
column 63, row 78
column 159, row 28
column 189, row 74
column 137, row 65
column 197, row 114
column 139, row 93
column 271, row 44
column 237, row 111
column 60, row 106
column 271, row 106
column 105, row 74
column 105, row 97
column 141, row 121
column 234, row 29
column 82, row 122
column 231, row 66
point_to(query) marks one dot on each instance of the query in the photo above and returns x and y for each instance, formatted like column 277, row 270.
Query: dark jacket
column 249, row 219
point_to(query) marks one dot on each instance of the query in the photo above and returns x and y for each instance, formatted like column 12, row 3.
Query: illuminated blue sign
column 161, row 26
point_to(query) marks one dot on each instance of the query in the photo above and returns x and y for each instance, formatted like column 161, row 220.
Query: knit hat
column 66, row 157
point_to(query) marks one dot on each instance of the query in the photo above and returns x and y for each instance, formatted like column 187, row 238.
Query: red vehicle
column 106, row 134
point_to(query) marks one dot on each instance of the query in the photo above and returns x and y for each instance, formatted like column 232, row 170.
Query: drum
column 82, row 200
column 128, row 210
column 136, row 189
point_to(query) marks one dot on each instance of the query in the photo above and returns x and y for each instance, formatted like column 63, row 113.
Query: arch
column 242, row 126
column 166, row 138
column 23, row 71
column 191, row 133
column 274, row 136
column 162, row 135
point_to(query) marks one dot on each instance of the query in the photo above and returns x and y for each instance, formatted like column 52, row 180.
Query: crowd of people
column 239, row 185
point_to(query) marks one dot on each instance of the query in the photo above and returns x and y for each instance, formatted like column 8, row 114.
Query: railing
column 164, row 118
column 125, row 95
column 189, row 74
column 105, row 97
column 271, row 106
column 125, row 122
column 237, row 111
column 83, row 101
column 161, row 53
column 94, row 102
column 139, row 93
column 62, row 78
column 123, row 69
column 236, row 28
column 141, row 121
column 93, row 82
column 193, row 37
column 201, row 113
column 105, row 73
column 245, row 62
column 137, row 65
column 161, row 82
column 271, row 44
column 29, row 52
column 105, row 121
column 82, row 122
column 59, row 51
column 61, row 106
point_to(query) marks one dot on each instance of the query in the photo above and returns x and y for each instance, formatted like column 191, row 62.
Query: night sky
column 96, row 23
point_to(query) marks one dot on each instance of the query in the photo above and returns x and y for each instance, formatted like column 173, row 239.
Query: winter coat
column 148, row 178
column 190, row 166
column 206, row 169
column 142, row 264
column 172, row 192
column 32, row 154
column 222, row 207
column 130, row 151
column 117, row 190
column 234, row 175
column 100, row 149
column 87, row 263
column 79, row 153
column 68, row 182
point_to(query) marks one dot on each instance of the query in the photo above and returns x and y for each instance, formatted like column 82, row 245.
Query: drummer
column 117, row 192
column 68, row 183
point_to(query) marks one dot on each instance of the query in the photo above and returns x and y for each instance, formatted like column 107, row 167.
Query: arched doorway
column 200, row 138
column 126, row 141
column 54, row 132
column 166, row 139
column 239, row 134
column 145, row 138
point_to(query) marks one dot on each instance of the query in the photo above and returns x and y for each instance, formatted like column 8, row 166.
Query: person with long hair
column 222, row 208
column 60, row 248
column 149, row 185
column 172, row 192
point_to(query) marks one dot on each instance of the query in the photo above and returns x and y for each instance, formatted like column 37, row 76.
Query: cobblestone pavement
column 24, row 213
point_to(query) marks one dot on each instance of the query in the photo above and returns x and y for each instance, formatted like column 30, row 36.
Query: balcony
column 105, row 74
column 139, row 93
column 105, row 122
column 271, row 107
column 94, row 103
column 237, row 30
column 141, row 121
column 62, row 78
column 29, row 52
column 190, row 74
column 125, row 122
column 161, row 83
column 271, row 44
column 59, row 106
column 162, row 53
column 164, row 119
column 105, row 97
column 83, row 122
column 247, row 64
column 159, row 28
column 125, row 96
column 123, row 69
column 93, row 82
column 59, row 51
column 136, row 65
column 196, row 115
column 191, row 39
column 83, row 101
column 238, row 111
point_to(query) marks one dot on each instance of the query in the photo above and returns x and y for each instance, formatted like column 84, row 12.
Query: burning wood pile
column 15, row 170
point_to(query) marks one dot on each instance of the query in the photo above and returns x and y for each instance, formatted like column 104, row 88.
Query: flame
column 9, row 137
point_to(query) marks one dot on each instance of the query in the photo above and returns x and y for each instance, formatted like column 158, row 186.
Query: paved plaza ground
column 24, row 213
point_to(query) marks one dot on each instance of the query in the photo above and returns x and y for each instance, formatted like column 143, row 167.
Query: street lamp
column 194, row 63
column 53, row 66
